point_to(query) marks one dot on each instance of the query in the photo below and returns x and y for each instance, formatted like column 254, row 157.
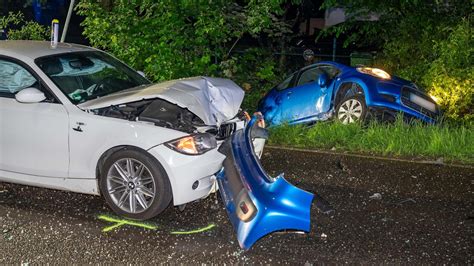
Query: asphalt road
column 425, row 215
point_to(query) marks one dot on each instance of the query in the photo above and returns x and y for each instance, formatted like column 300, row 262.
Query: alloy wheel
column 350, row 111
column 131, row 185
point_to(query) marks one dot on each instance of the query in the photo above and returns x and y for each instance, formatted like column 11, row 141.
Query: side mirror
column 323, row 80
column 141, row 73
column 30, row 95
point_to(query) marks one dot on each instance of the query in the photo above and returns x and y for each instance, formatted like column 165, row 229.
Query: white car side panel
column 100, row 134
column 34, row 138
column 184, row 170
column 87, row 186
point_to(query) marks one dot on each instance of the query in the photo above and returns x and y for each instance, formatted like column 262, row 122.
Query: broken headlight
column 194, row 144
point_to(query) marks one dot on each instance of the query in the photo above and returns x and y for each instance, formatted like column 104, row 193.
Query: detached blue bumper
column 258, row 204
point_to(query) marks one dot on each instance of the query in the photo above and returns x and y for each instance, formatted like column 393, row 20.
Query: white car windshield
column 84, row 76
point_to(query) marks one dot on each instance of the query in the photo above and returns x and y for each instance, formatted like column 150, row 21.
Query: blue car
column 331, row 90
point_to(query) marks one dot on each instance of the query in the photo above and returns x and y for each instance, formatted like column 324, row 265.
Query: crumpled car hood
column 214, row 100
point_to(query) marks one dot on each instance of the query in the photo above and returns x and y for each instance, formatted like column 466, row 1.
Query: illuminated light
column 436, row 99
column 376, row 72
column 380, row 73
column 188, row 145
column 200, row 230
column 194, row 144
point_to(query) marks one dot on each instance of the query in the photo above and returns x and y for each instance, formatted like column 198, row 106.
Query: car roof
column 341, row 67
column 35, row 49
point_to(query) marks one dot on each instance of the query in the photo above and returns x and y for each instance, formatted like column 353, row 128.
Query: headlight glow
column 194, row 144
column 436, row 99
column 376, row 72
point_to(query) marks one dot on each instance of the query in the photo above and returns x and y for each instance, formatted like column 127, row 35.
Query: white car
column 74, row 118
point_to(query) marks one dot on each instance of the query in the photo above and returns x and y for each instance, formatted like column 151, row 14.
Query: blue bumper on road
column 258, row 204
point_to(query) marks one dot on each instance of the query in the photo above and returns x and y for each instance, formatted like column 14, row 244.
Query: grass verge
column 454, row 143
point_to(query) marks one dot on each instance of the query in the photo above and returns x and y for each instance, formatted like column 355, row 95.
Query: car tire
column 134, row 184
column 351, row 109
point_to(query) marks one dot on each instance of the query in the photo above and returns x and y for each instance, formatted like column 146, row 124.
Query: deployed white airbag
column 14, row 77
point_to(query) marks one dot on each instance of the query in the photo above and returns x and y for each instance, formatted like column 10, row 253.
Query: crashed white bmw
column 75, row 118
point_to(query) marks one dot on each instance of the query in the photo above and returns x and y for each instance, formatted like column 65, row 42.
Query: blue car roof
column 332, row 63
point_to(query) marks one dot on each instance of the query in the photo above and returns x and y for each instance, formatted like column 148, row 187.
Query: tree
column 18, row 28
column 171, row 39
column 412, row 35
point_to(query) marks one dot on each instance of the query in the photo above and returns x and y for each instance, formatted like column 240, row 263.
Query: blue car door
column 306, row 99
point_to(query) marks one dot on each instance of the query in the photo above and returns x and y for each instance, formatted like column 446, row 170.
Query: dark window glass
column 312, row 74
column 309, row 75
column 330, row 70
column 285, row 84
column 84, row 76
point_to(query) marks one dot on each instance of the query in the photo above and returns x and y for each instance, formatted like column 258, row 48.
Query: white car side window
column 14, row 78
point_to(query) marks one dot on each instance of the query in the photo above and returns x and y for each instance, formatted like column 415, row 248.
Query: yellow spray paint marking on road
column 120, row 222
column 200, row 230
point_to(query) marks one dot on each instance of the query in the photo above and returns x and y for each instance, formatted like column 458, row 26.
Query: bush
column 450, row 77
column 255, row 70
column 19, row 29
column 172, row 39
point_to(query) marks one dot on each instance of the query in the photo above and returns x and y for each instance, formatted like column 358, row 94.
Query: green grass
column 451, row 142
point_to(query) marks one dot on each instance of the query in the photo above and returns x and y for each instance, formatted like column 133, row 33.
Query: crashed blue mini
column 331, row 90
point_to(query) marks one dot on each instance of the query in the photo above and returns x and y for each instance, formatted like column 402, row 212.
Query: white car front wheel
column 135, row 185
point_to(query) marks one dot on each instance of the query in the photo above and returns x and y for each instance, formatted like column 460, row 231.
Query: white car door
column 33, row 136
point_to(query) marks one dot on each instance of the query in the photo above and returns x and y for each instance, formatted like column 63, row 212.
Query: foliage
column 20, row 29
column 255, row 70
column 415, row 37
column 451, row 75
column 171, row 39
column 451, row 142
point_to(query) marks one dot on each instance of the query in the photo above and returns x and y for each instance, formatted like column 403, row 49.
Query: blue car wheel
column 351, row 109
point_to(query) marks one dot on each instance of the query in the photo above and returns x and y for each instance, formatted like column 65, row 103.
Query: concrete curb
column 371, row 156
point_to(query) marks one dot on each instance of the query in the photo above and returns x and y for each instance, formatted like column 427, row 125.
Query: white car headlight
column 376, row 72
column 194, row 144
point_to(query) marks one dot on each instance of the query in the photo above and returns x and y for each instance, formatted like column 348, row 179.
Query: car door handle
column 289, row 93
column 78, row 128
